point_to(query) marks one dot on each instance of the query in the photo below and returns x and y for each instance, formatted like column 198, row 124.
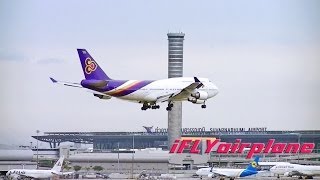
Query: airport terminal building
column 157, row 138
column 113, row 150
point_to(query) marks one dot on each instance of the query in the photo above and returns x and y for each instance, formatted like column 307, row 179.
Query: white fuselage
column 159, row 88
column 31, row 173
column 217, row 171
column 296, row 169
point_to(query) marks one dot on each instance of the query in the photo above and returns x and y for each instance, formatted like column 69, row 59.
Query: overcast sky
column 263, row 55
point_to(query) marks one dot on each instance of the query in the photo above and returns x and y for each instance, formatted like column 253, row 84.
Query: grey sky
column 263, row 56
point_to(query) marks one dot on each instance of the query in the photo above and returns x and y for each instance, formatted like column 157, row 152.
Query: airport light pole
column 37, row 149
column 118, row 159
column 299, row 138
column 132, row 156
column 219, row 153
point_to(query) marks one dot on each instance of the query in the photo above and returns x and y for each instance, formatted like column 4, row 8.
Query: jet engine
column 195, row 101
column 202, row 95
column 287, row 174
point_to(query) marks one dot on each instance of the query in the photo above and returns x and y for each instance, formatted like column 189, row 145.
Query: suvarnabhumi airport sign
column 193, row 146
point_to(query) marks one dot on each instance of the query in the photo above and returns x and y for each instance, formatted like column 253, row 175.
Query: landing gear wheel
column 155, row 107
column 145, row 106
column 170, row 105
column 203, row 106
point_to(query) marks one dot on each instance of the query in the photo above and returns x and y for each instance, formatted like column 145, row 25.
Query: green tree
column 66, row 165
column 87, row 169
column 97, row 168
column 67, row 168
column 77, row 168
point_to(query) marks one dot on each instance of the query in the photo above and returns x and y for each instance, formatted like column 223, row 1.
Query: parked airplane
column 212, row 172
column 147, row 92
column 38, row 174
column 296, row 170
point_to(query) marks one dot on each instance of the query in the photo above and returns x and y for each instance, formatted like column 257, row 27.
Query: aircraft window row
column 160, row 89
column 282, row 167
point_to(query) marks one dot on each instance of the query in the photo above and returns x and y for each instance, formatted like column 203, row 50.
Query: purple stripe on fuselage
column 105, row 86
column 131, row 89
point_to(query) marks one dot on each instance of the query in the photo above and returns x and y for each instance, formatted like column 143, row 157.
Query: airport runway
column 266, row 178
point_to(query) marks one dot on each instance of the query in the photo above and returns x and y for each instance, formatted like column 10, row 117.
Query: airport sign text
column 192, row 145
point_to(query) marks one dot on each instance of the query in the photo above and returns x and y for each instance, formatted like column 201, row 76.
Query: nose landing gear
column 203, row 106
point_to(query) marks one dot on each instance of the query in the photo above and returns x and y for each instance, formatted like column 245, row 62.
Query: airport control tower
column 175, row 69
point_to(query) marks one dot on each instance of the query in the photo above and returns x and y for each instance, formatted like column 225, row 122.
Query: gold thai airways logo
column 90, row 67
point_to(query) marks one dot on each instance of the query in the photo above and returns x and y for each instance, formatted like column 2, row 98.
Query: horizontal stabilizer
column 53, row 80
column 77, row 85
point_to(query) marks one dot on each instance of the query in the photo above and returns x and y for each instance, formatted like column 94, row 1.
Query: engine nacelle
column 202, row 95
column 211, row 175
column 195, row 101
column 100, row 96
column 287, row 174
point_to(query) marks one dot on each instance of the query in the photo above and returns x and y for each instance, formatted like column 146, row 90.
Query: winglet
column 53, row 80
column 196, row 79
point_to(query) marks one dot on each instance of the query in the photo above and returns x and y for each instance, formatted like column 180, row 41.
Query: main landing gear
column 169, row 108
column 146, row 106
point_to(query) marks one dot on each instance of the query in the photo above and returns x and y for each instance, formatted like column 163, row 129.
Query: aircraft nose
column 198, row 172
column 215, row 90
column 272, row 169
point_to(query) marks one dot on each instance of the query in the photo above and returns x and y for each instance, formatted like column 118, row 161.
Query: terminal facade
column 105, row 141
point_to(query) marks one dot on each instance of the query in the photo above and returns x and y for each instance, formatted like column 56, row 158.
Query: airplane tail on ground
column 253, row 165
column 57, row 167
column 90, row 67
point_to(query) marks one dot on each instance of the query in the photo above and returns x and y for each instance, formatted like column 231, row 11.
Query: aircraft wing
column 21, row 176
column 67, row 173
column 182, row 94
column 77, row 85
column 62, row 173
column 218, row 173
column 300, row 173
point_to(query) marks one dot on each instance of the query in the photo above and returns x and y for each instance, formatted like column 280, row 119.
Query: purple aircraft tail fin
column 90, row 67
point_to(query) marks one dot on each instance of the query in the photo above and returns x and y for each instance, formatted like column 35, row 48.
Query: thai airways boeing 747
column 147, row 92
